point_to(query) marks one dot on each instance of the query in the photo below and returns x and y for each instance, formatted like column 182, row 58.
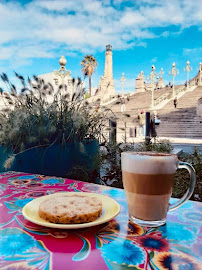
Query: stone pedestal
column 160, row 83
column 149, row 86
column 140, row 84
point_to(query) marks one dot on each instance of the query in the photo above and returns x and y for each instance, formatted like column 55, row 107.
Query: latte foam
column 148, row 163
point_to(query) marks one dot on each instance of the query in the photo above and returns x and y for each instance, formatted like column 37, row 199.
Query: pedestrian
column 175, row 102
column 141, row 118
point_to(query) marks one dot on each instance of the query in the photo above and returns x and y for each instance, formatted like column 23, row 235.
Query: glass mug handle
column 187, row 195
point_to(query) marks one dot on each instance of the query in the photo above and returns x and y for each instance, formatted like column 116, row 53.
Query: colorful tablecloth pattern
column 118, row 244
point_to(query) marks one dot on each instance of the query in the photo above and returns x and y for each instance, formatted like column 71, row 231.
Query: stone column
column 108, row 73
column 106, row 85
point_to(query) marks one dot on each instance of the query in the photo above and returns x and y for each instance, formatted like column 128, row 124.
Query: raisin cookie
column 73, row 209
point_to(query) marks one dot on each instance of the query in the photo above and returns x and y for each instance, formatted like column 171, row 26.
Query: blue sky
column 34, row 34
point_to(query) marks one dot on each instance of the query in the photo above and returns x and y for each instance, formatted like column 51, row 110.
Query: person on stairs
column 175, row 102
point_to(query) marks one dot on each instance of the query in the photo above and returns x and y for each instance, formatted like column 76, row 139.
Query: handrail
column 161, row 98
column 108, row 100
column 180, row 89
column 165, row 95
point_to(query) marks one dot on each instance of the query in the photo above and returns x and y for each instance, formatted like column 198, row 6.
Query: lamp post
column 62, row 72
column 123, row 79
column 174, row 72
column 188, row 68
column 152, row 77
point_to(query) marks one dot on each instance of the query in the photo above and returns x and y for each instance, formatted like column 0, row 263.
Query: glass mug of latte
column 148, row 179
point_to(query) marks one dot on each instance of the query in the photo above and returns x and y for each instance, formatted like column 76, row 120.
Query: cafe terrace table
column 118, row 244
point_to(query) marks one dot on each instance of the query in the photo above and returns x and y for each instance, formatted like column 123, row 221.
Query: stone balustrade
column 179, row 92
column 180, row 89
column 161, row 99
column 108, row 100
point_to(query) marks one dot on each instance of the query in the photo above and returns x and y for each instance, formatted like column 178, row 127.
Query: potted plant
column 43, row 130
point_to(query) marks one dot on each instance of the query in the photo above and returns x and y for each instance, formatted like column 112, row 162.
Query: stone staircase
column 140, row 101
column 183, row 121
column 180, row 122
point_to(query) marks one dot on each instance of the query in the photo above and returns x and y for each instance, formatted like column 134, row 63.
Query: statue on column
column 140, row 84
column 160, row 83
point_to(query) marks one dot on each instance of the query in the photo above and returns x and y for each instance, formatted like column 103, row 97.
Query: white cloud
column 165, row 34
column 187, row 51
column 40, row 28
column 154, row 59
column 5, row 53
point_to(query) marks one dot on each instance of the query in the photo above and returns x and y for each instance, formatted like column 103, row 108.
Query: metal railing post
column 147, row 133
column 112, row 131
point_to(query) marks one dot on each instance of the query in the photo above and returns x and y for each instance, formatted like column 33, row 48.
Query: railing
column 180, row 89
column 108, row 100
column 95, row 99
column 192, row 83
column 161, row 98
column 111, row 99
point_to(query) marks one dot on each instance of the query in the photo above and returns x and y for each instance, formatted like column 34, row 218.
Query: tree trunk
column 89, row 77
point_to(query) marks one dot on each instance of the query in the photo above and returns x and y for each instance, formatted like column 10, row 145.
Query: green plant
column 182, row 176
column 162, row 146
column 89, row 173
column 110, row 173
column 39, row 115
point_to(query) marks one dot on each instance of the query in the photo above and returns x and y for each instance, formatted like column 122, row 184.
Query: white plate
column 110, row 209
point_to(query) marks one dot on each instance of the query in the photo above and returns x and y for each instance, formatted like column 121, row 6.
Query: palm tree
column 89, row 64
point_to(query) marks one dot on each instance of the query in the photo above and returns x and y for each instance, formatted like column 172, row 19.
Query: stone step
column 180, row 122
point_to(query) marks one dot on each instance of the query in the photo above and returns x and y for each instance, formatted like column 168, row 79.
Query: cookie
column 73, row 209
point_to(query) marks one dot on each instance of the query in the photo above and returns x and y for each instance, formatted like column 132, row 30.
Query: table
column 118, row 244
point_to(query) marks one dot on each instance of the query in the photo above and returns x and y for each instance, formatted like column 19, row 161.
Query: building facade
column 63, row 77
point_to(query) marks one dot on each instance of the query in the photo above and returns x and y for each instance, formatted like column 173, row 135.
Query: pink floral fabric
column 118, row 244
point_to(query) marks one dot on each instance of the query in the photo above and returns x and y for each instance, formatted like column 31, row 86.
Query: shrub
column 182, row 175
column 162, row 146
column 40, row 115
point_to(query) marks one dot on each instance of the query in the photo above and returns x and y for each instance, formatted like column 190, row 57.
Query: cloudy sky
column 34, row 34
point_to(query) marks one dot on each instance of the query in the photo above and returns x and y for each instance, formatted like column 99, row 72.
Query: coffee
column 148, row 180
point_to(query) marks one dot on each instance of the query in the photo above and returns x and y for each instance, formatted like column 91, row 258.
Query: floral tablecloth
column 118, row 244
